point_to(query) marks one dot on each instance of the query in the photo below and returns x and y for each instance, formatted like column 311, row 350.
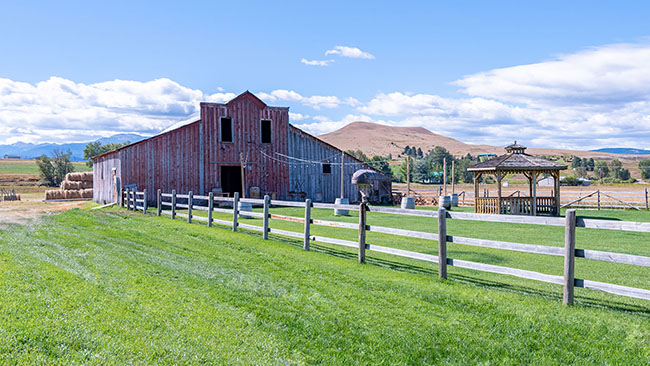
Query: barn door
column 231, row 179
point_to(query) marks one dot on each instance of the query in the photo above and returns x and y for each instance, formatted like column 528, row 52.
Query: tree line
column 53, row 169
column 424, row 167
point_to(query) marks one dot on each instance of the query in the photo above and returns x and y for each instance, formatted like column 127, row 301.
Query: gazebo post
column 499, row 179
column 556, row 178
column 477, row 178
column 534, row 183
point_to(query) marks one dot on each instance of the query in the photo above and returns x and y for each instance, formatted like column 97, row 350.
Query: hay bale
column 70, row 194
column 73, row 177
column 50, row 194
column 79, row 177
column 87, row 176
column 87, row 184
column 68, row 185
column 86, row 193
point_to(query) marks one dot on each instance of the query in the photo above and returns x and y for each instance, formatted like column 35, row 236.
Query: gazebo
column 516, row 161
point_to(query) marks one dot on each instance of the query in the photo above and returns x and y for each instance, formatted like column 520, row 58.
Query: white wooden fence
column 138, row 201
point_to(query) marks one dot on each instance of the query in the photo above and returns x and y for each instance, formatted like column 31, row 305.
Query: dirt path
column 31, row 206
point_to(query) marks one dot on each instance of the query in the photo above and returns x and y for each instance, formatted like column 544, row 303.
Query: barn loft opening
column 327, row 168
column 226, row 129
column 266, row 131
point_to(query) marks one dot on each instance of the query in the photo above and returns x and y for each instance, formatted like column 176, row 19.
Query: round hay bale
column 87, row 184
column 86, row 193
column 67, row 185
column 70, row 194
column 50, row 194
column 86, row 176
column 74, row 177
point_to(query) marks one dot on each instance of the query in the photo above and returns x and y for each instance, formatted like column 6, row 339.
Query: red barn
column 207, row 155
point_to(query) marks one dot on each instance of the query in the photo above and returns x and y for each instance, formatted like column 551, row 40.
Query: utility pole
column 408, row 176
column 444, row 175
column 453, row 176
column 243, row 175
column 342, row 174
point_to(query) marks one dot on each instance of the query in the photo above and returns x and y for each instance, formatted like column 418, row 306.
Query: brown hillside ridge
column 375, row 139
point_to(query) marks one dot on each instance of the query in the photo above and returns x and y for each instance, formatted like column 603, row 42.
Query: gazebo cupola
column 517, row 161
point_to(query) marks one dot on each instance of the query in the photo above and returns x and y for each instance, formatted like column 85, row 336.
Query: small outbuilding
column 516, row 161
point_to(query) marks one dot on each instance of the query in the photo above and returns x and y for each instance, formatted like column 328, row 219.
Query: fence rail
column 598, row 199
column 569, row 252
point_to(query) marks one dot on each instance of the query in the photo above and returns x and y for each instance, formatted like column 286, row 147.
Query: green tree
column 96, row 148
column 644, row 166
column 420, row 170
column 616, row 166
column 576, row 163
column 53, row 170
column 601, row 169
column 46, row 169
column 381, row 164
column 589, row 164
column 419, row 153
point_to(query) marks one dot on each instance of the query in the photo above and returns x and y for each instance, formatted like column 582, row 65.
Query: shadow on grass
column 432, row 270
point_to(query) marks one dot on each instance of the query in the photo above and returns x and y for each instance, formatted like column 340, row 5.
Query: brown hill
column 375, row 139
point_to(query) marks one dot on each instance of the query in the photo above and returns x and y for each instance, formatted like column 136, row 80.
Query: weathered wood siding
column 270, row 175
column 103, row 178
column 310, row 179
column 189, row 158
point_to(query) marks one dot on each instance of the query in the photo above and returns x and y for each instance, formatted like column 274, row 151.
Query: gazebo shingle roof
column 516, row 160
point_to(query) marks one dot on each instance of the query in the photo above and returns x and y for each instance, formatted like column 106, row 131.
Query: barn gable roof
column 248, row 96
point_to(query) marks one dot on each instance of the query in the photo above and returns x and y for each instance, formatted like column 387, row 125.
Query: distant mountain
column 624, row 150
column 30, row 151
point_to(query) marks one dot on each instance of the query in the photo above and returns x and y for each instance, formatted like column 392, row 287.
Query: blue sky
column 481, row 72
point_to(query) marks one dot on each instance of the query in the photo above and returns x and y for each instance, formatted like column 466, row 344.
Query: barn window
column 266, row 131
column 226, row 129
column 327, row 168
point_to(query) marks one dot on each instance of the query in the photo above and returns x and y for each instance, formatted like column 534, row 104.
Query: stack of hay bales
column 75, row 185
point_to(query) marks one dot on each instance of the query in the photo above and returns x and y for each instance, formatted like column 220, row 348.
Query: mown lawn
column 114, row 287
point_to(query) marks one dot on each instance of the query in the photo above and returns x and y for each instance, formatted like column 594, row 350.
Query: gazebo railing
column 515, row 205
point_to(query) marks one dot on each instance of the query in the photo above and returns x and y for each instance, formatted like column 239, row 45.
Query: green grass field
column 27, row 166
column 115, row 287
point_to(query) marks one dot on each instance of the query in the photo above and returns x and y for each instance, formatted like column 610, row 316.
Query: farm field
column 112, row 286
column 28, row 166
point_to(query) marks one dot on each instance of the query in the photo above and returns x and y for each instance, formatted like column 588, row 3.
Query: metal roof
column 516, row 160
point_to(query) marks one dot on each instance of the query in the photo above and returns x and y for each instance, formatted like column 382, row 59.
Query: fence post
column 307, row 223
column 144, row 201
column 646, row 199
column 159, row 200
column 121, row 202
column 267, row 204
column 442, row 242
column 190, row 203
column 134, row 204
column 569, row 256
column 130, row 201
column 210, row 207
column 362, row 232
column 173, row 204
column 599, row 199
column 235, row 211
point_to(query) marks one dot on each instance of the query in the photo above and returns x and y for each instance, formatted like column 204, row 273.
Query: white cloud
column 595, row 78
column 324, row 124
column 315, row 101
column 59, row 110
column 316, row 62
column 351, row 52
column 295, row 117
